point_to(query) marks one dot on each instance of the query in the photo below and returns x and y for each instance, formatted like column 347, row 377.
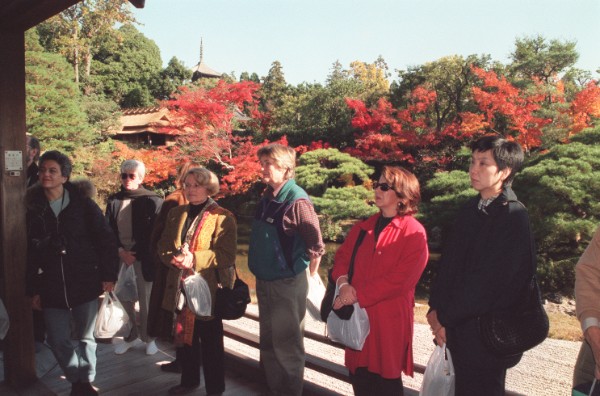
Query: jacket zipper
column 62, row 264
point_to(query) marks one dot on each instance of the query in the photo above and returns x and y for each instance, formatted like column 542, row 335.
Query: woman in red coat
column 387, row 267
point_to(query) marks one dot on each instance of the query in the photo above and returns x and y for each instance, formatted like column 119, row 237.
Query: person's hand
column 592, row 335
column 440, row 336
column 347, row 296
column 314, row 265
column 108, row 286
column 437, row 329
column 36, row 302
column 126, row 256
column 185, row 259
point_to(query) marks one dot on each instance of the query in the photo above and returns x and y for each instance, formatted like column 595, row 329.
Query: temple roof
column 144, row 119
column 201, row 69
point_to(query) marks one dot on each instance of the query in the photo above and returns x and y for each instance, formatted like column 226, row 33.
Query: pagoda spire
column 201, row 70
column 201, row 50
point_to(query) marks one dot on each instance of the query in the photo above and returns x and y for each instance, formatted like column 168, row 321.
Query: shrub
column 345, row 203
column 561, row 189
column 318, row 170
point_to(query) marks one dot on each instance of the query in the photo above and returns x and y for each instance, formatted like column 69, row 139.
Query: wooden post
column 19, row 366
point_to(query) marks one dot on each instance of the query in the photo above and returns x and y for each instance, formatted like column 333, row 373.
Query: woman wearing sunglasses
column 131, row 213
column 388, row 264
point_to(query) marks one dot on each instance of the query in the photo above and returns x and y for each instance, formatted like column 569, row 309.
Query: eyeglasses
column 383, row 186
column 191, row 186
column 125, row 176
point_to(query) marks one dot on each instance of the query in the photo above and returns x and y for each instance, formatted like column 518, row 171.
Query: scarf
column 133, row 194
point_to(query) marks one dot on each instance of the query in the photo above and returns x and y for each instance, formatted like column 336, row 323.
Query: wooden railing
column 316, row 363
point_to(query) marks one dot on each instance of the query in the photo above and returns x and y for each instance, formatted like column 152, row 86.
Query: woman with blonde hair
column 391, row 255
column 160, row 321
column 285, row 240
column 199, row 237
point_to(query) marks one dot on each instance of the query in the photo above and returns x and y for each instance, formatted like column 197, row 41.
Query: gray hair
column 132, row 165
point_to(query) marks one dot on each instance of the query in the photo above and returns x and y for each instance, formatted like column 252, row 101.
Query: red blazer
column 385, row 276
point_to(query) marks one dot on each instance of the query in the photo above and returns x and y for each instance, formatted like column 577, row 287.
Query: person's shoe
column 182, row 390
column 173, row 367
column 83, row 389
column 151, row 348
column 125, row 346
column 75, row 388
column 87, row 389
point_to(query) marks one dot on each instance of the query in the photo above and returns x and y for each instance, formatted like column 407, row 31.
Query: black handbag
column 513, row 332
column 346, row 311
column 231, row 304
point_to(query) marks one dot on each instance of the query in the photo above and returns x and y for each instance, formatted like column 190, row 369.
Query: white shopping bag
column 4, row 321
column 197, row 295
column 316, row 292
column 112, row 319
column 438, row 379
column 126, row 288
column 351, row 332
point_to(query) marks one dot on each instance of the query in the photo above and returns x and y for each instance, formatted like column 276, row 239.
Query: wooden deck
column 133, row 373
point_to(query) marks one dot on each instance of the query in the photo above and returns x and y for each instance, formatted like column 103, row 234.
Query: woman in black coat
column 485, row 267
column 71, row 258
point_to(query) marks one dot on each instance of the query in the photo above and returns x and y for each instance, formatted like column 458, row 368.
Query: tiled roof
column 144, row 119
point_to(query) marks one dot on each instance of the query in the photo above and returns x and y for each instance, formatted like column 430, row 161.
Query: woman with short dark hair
column 71, row 259
column 388, row 264
column 485, row 267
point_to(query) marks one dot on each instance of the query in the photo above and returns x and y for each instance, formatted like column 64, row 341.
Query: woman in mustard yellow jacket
column 199, row 237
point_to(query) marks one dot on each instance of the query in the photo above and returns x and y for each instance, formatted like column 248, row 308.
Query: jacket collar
column 507, row 195
column 369, row 223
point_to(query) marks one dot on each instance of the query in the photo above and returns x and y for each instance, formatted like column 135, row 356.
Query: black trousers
column 366, row 383
column 206, row 347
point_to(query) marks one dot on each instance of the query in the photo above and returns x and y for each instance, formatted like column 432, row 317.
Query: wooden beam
column 138, row 3
column 19, row 367
column 20, row 15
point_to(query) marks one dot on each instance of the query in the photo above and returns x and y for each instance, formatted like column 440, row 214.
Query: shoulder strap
column 359, row 240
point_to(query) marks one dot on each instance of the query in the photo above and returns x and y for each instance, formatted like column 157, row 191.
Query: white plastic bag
column 438, row 379
column 316, row 292
column 112, row 319
column 197, row 295
column 4, row 321
column 352, row 332
column 126, row 288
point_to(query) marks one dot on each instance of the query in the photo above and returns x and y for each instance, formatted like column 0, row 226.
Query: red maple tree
column 585, row 107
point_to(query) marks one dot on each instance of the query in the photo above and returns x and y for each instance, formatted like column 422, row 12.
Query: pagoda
column 201, row 70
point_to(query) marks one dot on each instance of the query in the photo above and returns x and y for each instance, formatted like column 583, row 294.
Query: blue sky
column 308, row 36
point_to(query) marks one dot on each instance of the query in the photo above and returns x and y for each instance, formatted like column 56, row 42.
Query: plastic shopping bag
column 112, row 319
column 438, row 379
column 126, row 288
column 197, row 295
column 4, row 321
column 316, row 292
column 351, row 332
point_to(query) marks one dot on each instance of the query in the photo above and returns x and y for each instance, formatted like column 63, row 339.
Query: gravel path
column 544, row 370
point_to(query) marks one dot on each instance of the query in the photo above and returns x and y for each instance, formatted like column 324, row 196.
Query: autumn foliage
column 392, row 134
column 585, row 106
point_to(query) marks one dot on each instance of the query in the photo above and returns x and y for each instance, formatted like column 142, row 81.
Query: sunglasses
column 125, row 176
column 383, row 186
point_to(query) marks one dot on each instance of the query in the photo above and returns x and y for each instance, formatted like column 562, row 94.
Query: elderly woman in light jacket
column 200, row 237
